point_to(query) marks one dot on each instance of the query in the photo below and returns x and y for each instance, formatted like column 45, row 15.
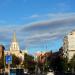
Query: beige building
column 69, row 45
column 14, row 48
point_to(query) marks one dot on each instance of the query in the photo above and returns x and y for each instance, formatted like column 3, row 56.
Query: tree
column 15, row 61
column 2, row 48
column 47, row 63
column 29, row 62
column 72, row 64
column 44, row 61
column 2, row 62
column 58, row 63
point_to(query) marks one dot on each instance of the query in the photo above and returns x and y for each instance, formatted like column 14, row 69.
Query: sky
column 40, row 25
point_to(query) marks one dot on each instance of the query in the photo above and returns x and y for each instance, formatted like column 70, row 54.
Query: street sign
column 8, row 59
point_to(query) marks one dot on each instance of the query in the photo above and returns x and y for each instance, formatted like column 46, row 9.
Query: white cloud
column 50, row 15
column 34, row 16
column 50, row 29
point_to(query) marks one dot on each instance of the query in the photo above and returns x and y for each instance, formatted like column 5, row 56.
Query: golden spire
column 14, row 44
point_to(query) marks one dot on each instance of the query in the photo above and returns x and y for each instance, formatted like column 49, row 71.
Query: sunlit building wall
column 69, row 45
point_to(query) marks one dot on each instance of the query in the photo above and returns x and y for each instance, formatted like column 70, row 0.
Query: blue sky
column 38, row 23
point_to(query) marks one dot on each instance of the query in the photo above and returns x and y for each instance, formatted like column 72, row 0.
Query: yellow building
column 14, row 48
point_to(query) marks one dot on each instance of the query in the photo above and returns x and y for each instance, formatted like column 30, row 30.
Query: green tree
column 29, row 62
column 15, row 61
column 72, row 64
column 2, row 62
column 58, row 63
column 2, row 48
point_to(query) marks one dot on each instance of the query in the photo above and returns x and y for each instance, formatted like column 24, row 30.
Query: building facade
column 15, row 49
column 69, row 45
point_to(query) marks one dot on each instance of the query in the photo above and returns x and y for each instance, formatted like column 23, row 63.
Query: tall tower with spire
column 14, row 47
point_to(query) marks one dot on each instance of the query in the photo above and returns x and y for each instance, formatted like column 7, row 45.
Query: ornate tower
column 14, row 44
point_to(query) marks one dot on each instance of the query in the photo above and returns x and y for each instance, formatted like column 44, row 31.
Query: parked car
column 50, row 73
column 26, row 72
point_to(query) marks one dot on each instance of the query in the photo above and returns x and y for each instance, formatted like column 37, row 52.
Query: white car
column 26, row 72
column 50, row 73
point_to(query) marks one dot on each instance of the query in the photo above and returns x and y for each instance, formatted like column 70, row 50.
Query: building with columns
column 15, row 49
column 69, row 45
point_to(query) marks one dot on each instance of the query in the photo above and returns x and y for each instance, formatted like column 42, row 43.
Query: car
column 26, row 73
column 50, row 73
